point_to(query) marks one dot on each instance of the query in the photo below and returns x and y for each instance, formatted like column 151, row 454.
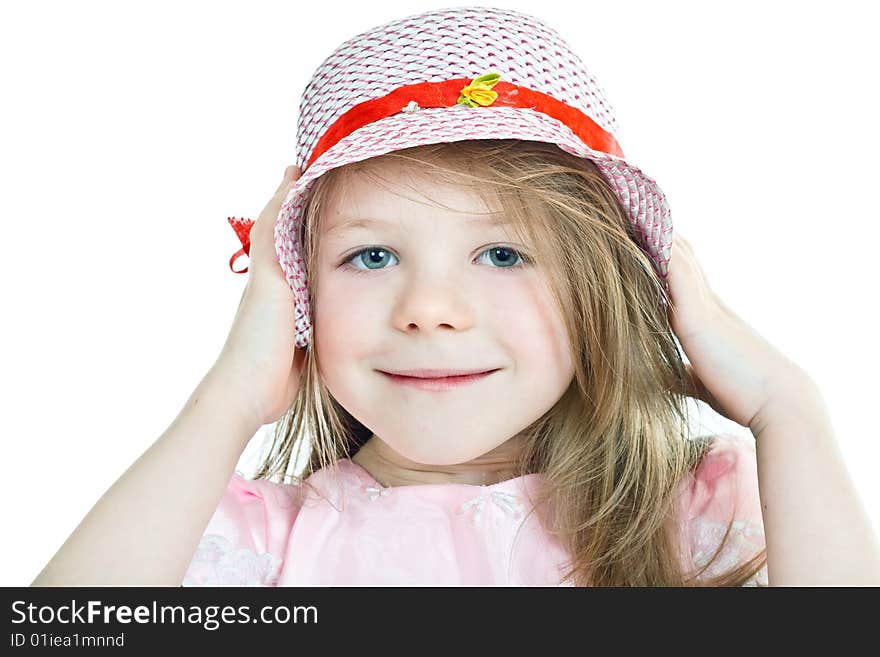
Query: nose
column 433, row 301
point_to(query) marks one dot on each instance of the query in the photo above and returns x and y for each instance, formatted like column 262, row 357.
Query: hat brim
column 638, row 193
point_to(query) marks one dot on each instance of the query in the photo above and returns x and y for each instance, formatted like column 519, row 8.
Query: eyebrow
column 368, row 222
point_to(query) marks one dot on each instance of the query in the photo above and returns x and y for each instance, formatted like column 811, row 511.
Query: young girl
column 494, row 391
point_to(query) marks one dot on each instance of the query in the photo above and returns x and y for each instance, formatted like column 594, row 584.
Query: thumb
column 291, row 174
column 262, row 232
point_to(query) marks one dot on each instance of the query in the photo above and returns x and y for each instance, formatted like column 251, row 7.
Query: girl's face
column 426, row 287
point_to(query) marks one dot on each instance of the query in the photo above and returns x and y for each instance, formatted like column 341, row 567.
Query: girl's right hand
column 260, row 363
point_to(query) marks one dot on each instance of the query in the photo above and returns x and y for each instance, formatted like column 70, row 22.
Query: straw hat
column 448, row 75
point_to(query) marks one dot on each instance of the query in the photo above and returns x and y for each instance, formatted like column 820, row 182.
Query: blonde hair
column 615, row 447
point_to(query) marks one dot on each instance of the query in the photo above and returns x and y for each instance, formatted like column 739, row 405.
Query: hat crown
column 444, row 44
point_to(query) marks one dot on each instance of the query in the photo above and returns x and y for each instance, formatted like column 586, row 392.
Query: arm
column 145, row 528
column 817, row 531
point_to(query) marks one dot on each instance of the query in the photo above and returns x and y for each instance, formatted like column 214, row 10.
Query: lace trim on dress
column 746, row 539
column 217, row 562
column 507, row 502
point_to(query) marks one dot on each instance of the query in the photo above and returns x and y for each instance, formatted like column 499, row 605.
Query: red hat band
column 486, row 90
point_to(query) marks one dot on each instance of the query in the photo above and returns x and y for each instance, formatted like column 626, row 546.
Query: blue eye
column 377, row 255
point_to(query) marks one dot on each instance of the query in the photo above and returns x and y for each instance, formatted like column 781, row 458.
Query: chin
column 428, row 455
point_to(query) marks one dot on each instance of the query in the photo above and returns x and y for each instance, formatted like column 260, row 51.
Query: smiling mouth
column 438, row 384
column 438, row 373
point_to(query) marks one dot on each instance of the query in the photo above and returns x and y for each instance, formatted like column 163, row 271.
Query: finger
column 687, row 263
column 291, row 173
column 262, row 232
column 680, row 241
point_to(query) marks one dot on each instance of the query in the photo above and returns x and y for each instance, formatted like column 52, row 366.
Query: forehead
column 364, row 202
column 350, row 224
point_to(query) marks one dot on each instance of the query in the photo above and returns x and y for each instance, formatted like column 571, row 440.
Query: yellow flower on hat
column 479, row 92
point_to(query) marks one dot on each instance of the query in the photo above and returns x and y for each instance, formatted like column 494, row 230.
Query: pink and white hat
column 449, row 75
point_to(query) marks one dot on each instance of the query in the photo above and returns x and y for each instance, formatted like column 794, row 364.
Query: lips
column 437, row 373
column 439, row 384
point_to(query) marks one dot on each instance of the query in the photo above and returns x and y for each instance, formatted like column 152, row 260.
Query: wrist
column 217, row 390
column 795, row 397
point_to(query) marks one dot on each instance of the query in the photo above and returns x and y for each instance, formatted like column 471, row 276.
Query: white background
column 130, row 132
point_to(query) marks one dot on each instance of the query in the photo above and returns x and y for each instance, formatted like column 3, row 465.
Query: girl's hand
column 259, row 360
column 732, row 368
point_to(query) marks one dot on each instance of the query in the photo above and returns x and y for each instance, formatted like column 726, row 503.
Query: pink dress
column 270, row 534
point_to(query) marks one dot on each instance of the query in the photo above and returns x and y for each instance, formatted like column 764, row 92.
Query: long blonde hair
column 615, row 447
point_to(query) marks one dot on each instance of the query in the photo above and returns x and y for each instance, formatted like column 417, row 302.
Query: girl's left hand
column 732, row 368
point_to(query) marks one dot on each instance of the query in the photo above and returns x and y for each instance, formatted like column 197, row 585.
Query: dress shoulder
column 724, row 487
column 246, row 538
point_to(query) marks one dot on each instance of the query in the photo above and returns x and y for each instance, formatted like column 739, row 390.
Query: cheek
column 536, row 331
column 345, row 321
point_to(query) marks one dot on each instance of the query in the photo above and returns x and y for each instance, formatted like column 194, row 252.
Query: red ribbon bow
column 242, row 228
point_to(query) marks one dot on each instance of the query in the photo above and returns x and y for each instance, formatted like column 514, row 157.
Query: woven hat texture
column 448, row 75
